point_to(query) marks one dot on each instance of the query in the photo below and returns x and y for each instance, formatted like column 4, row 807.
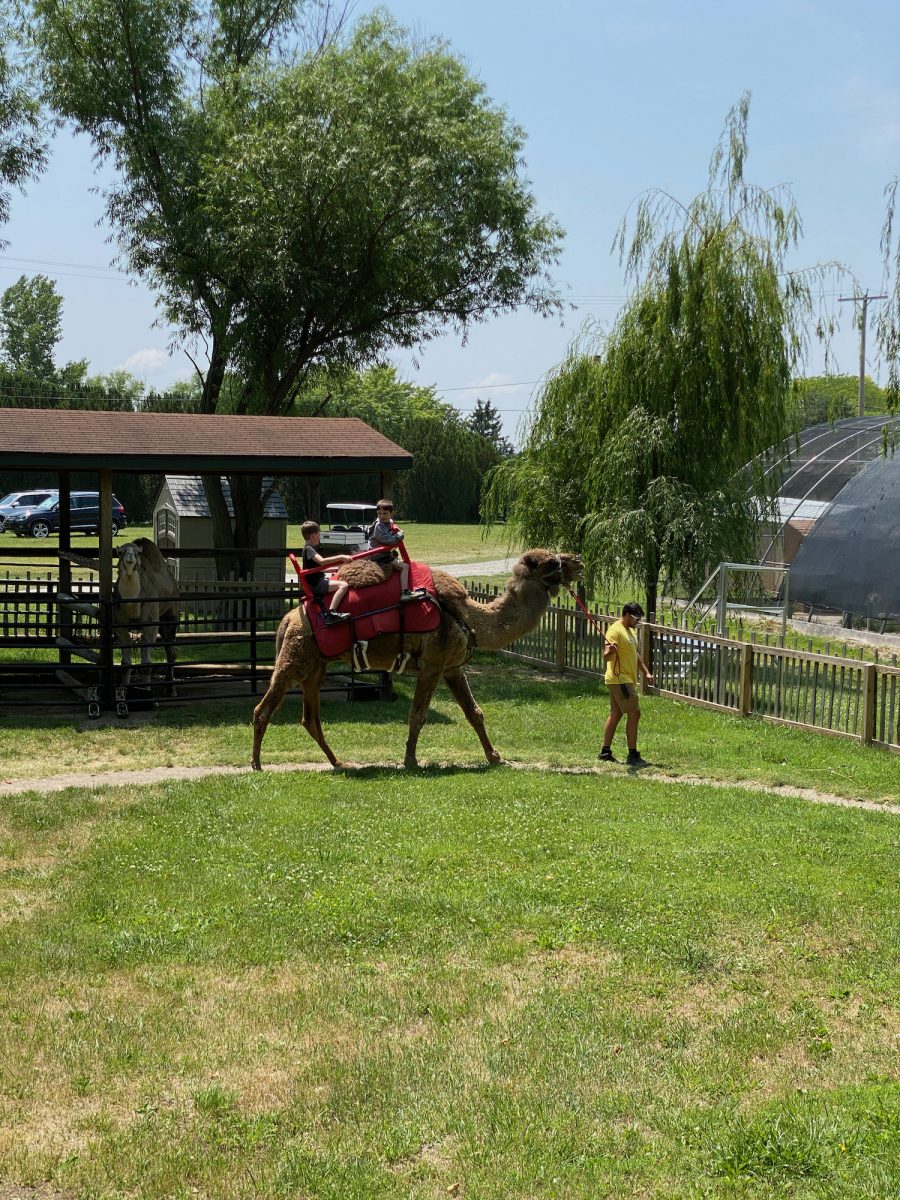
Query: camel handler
column 622, row 664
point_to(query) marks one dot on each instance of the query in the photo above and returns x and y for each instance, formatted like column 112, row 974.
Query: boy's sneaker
column 416, row 594
column 334, row 618
column 634, row 759
column 606, row 755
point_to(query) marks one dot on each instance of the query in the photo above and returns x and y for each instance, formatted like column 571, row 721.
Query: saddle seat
column 377, row 610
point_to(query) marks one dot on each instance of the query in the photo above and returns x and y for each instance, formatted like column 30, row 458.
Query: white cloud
column 147, row 362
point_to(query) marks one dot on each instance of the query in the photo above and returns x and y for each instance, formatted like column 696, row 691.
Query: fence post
column 746, row 699
column 560, row 639
column 644, row 649
column 869, row 683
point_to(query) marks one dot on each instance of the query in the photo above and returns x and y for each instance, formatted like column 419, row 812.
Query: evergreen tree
column 486, row 421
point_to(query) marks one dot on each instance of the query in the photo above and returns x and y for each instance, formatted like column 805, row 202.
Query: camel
column 465, row 625
column 143, row 572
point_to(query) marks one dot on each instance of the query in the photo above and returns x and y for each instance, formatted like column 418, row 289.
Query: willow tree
column 889, row 320
column 642, row 452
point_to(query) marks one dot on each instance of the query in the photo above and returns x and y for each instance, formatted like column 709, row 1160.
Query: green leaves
column 22, row 143
column 30, row 325
column 656, row 423
column 304, row 211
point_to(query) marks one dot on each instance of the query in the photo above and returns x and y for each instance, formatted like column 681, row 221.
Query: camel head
column 129, row 560
column 549, row 569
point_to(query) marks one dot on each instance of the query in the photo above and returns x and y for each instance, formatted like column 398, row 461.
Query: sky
column 614, row 99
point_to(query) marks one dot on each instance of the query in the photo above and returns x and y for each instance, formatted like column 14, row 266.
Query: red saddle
column 375, row 610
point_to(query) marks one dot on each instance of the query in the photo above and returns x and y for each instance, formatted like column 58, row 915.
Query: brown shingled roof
column 79, row 439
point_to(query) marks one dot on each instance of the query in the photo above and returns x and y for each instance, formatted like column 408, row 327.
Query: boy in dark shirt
column 384, row 533
column 320, row 583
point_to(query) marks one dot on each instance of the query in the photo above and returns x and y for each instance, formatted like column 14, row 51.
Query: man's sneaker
column 606, row 755
column 634, row 759
column 334, row 618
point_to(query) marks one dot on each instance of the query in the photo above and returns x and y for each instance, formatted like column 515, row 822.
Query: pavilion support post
column 106, row 589
column 314, row 494
column 387, row 485
column 65, row 565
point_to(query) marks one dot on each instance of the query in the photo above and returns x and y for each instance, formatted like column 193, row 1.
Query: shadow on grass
column 513, row 682
column 373, row 773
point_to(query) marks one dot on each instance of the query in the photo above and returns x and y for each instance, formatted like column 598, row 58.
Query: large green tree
column 450, row 459
column 643, row 451
column 832, row 397
column 300, row 209
column 22, row 144
column 30, row 311
column 485, row 420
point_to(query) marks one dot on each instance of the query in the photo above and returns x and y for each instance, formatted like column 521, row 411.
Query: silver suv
column 16, row 501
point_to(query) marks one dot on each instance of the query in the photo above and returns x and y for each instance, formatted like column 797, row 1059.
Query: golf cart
column 344, row 531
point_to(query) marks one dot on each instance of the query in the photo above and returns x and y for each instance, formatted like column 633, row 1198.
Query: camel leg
column 282, row 678
column 459, row 686
column 123, row 637
column 167, row 630
column 312, row 686
column 425, row 685
column 148, row 641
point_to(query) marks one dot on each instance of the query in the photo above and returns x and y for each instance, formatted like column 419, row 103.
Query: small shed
column 181, row 520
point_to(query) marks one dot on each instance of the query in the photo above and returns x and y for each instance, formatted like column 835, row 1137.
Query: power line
column 49, row 262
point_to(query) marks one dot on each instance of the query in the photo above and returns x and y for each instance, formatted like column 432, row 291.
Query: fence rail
column 845, row 697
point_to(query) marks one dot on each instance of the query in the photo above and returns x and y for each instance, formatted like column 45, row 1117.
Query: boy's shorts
column 623, row 698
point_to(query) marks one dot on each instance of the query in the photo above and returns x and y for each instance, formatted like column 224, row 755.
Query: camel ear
column 531, row 561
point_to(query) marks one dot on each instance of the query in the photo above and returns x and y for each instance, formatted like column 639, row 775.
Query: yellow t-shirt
column 626, row 643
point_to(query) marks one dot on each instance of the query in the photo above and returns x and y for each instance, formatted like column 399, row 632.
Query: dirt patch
column 12, row 1191
column 155, row 775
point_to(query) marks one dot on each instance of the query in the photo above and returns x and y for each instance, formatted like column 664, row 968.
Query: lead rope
column 596, row 624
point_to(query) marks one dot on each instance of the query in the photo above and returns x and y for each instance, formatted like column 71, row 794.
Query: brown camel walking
column 441, row 654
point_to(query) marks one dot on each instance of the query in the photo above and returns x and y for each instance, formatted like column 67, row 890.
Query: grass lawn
column 457, row 982
column 433, row 544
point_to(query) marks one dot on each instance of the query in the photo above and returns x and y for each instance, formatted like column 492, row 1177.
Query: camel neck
column 515, row 612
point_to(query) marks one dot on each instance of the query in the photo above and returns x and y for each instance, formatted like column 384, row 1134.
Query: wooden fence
column 825, row 693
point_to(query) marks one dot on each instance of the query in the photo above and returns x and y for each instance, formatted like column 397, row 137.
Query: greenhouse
column 839, row 512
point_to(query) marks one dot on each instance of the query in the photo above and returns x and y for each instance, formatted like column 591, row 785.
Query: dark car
column 84, row 516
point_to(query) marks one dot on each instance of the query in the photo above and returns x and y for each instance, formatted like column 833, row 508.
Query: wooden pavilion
column 60, row 442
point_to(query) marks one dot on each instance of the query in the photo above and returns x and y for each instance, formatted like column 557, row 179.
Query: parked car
column 84, row 516
column 16, row 501
column 344, row 531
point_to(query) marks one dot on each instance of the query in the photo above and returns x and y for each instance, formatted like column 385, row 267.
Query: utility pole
column 864, row 301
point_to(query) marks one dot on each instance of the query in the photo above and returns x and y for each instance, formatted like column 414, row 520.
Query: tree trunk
column 222, row 529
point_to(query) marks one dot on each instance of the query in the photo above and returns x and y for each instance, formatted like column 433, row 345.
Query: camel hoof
column 256, row 765
column 410, row 764
column 495, row 759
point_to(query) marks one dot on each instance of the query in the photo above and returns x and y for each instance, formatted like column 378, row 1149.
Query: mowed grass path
column 459, row 981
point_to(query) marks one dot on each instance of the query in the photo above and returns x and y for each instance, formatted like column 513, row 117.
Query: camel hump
column 151, row 555
column 450, row 591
